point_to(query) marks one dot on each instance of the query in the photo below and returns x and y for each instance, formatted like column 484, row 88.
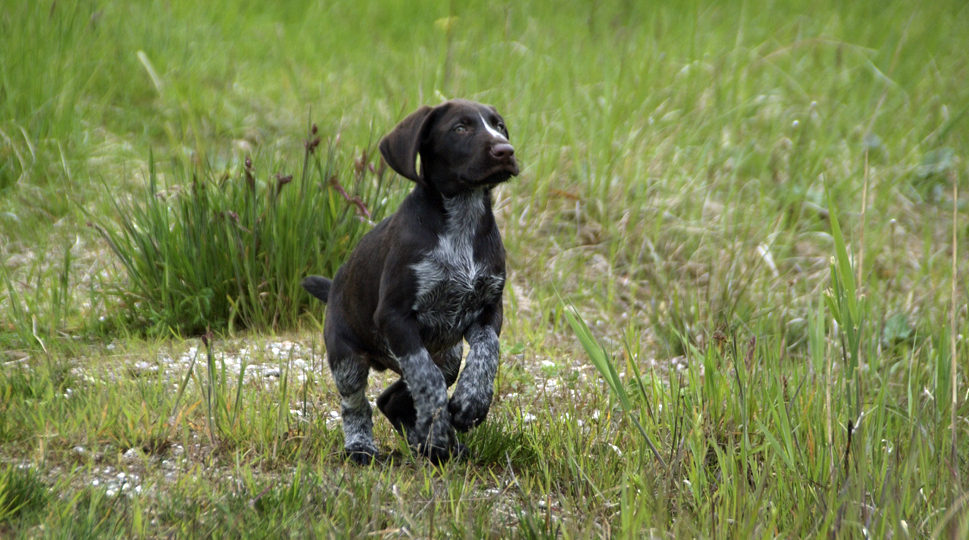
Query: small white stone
column 272, row 372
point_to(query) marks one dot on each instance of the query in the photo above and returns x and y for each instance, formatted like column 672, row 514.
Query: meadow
column 737, row 253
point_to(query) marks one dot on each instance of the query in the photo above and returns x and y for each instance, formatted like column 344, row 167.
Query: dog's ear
column 401, row 146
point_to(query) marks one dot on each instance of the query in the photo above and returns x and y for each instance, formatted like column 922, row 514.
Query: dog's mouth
column 498, row 173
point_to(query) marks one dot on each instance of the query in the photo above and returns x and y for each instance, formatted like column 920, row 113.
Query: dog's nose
column 502, row 151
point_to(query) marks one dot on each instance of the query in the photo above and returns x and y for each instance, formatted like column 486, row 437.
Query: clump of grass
column 40, row 307
column 219, row 414
column 21, row 492
column 226, row 250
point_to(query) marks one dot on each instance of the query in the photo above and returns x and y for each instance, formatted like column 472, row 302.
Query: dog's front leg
column 432, row 434
column 472, row 398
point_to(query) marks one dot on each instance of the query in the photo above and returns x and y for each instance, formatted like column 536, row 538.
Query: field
column 737, row 252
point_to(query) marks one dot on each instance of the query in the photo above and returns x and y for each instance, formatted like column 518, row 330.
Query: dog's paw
column 442, row 444
column 439, row 455
column 436, row 439
column 360, row 454
column 469, row 409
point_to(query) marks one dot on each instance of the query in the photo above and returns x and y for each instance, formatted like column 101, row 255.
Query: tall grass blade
column 847, row 310
column 605, row 366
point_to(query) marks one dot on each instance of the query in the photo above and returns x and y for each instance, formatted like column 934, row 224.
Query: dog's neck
column 463, row 213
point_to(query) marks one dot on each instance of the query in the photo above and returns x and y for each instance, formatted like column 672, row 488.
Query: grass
column 736, row 301
column 230, row 249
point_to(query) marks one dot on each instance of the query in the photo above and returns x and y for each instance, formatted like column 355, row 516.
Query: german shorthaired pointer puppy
column 422, row 281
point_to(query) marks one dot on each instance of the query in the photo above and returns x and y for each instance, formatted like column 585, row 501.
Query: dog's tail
column 318, row 286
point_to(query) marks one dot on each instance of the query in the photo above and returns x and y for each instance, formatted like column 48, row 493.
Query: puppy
column 423, row 281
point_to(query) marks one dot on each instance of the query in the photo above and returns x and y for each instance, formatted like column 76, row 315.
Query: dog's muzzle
column 503, row 157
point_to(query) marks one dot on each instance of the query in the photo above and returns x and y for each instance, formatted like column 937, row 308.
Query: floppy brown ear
column 400, row 146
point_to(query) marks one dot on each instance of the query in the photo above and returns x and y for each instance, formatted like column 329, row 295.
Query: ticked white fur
column 453, row 257
column 447, row 275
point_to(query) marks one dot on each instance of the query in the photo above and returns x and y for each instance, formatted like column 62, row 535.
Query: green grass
column 737, row 253
column 229, row 249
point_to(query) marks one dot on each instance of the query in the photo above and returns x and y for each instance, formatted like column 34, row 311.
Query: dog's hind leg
column 450, row 363
column 350, row 376
column 398, row 406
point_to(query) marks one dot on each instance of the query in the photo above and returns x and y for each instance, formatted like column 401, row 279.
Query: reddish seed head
column 312, row 144
column 283, row 180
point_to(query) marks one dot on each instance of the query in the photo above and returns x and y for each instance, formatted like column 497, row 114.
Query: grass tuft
column 22, row 492
column 228, row 250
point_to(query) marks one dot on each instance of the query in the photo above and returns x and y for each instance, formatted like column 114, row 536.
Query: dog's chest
column 453, row 287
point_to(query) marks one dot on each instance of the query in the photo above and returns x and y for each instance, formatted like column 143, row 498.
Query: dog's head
column 463, row 145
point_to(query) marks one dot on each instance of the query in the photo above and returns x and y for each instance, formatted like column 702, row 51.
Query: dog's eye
column 501, row 125
column 459, row 128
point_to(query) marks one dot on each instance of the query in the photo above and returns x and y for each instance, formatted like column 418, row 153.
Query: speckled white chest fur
column 451, row 286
